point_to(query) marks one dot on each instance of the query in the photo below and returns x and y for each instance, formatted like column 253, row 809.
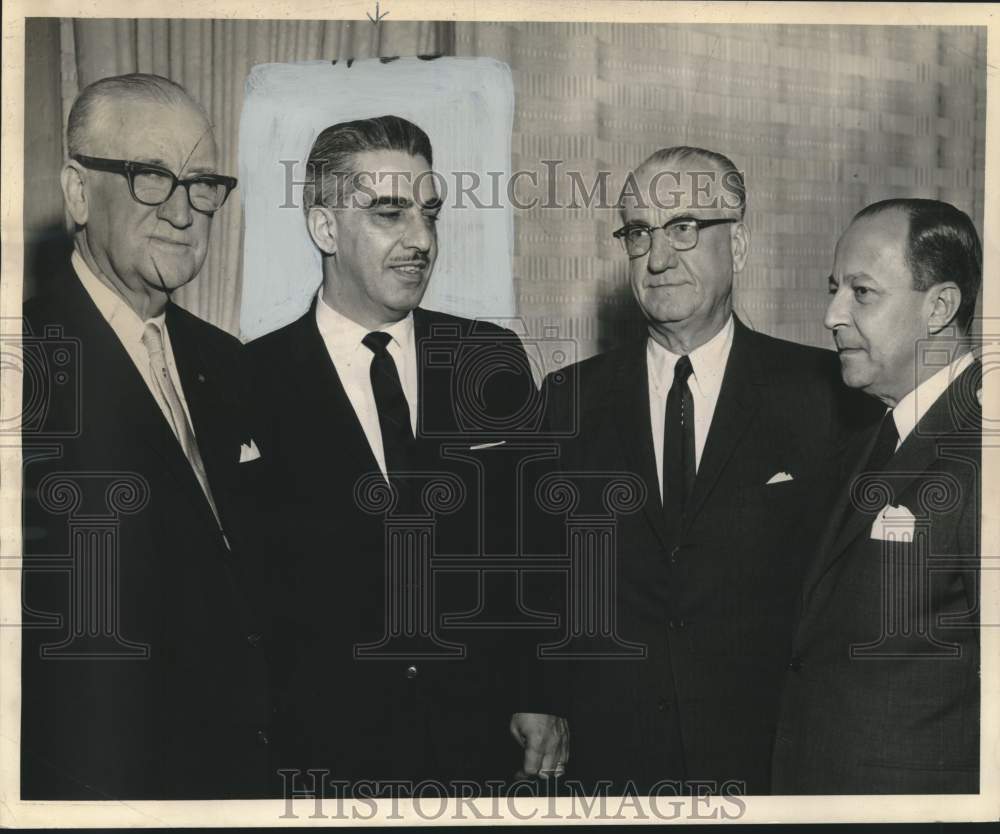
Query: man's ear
column 944, row 300
column 740, row 242
column 322, row 224
column 73, row 181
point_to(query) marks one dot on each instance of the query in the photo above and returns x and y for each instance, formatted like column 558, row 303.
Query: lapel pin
column 201, row 377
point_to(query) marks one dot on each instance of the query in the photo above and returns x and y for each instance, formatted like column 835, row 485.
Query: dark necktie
column 885, row 445
column 678, row 445
column 393, row 411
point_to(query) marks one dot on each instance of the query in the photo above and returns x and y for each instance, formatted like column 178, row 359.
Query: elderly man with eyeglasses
column 730, row 431
column 143, row 673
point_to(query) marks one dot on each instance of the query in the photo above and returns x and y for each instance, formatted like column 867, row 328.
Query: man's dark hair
column 732, row 177
column 85, row 115
column 330, row 169
column 942, row 245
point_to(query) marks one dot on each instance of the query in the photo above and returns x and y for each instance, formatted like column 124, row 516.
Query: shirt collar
column 343, row 335
column 116, row 312
column 708, row 362
column 910, row 410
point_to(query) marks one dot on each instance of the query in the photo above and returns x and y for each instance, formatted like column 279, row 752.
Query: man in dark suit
column 723, row 435
column 141, row 674
column 882, row 694
column 381, row 443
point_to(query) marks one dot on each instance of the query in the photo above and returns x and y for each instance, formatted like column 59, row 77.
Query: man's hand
column 545, row 739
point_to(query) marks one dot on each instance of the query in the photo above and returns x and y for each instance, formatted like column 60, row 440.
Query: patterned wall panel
column 822, row 120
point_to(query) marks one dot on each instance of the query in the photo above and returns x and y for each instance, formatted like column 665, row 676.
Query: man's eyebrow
column 202, row 169
column 390, row 200
column 854, row 276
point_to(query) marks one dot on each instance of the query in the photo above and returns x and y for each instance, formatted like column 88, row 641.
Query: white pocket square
column 779, row 478
column 249, row 452
column 487, row 445
column 893, row 524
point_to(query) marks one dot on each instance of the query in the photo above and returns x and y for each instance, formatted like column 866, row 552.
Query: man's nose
column 177, row 209
column 662, row 256
column 837, row 314
column 420, row 233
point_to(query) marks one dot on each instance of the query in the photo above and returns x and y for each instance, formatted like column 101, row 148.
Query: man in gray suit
column 882, row 692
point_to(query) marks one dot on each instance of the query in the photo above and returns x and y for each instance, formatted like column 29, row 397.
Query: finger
column 515, row 730
column 532, row 759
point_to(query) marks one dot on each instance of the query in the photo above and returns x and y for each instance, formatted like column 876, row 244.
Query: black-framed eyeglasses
column 682, row 234
column 153, row 185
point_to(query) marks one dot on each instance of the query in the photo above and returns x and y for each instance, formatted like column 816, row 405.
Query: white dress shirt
column 708, row 363
column 128, row 327
column 911, row 409
column 353, row 361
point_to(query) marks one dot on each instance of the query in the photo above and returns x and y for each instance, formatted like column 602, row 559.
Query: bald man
column 143, row 674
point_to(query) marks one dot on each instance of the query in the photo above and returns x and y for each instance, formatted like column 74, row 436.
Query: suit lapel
column 629, row 405
column 852, row 457
column 734, row 412
column 119, row 374
column 324, row 401
column 913, row 458
column 434, row 397
column 210, row 399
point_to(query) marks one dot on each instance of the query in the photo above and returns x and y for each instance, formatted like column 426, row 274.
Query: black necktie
column 885, row 445
column 393, row 411
column 678, row 445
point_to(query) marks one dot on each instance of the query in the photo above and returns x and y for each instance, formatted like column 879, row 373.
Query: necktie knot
column 377, row 342
column 682, row 370
column 152, row 339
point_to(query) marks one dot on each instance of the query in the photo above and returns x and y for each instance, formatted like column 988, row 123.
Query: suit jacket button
column 254, row 639
column 663, row 705
column 671, row 625
column 411, row 671
column 262, row 737
column 795, row 664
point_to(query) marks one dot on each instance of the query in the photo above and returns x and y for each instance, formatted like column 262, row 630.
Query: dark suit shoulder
column 440, row 324
column 603, row 368
column 273, row 347
column 791, row 359
column 209, row 336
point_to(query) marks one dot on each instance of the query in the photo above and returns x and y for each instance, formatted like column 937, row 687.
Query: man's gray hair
column 732, row 177
column 136, row 86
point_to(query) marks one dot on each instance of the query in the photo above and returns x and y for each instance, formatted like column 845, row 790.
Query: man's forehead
column 675, row 188
column 170, row 133
column 883, row 233
column 874, row 243
column 395, row 175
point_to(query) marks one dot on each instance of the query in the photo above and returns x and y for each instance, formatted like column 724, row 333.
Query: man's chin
column 172, row 272
column 853, row 373
column 169, row 279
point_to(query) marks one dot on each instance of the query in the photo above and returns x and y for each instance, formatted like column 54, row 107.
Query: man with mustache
column 143, row 674
column 369, row 391
column 882, row 694
column 729, row 431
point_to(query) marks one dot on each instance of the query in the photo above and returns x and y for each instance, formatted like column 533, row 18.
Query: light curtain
column 822, row 120
column 212, row 59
